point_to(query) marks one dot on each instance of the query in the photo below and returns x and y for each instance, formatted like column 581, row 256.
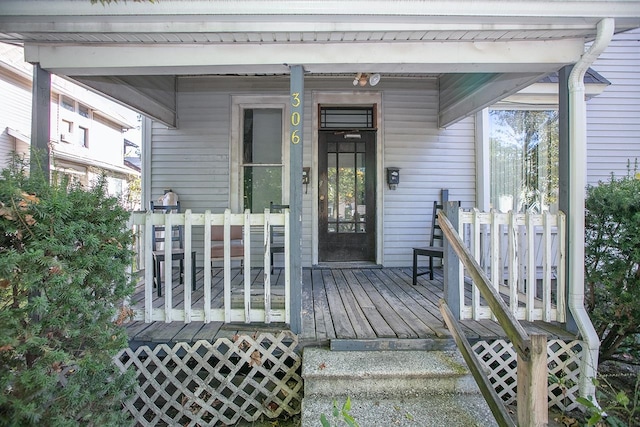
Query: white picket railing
column 516, row 250
column 142, row 224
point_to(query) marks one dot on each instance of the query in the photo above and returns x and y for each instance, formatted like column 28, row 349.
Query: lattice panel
column 563, row 360
column 215, row 383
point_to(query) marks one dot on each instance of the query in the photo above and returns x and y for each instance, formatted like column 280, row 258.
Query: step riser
column 397, row 386
column 393, row 388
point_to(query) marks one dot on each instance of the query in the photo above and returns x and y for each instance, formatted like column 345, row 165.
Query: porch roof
column 498, row 46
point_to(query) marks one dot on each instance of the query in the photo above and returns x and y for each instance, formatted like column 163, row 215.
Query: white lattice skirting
column 215, row 383
column 563, row 360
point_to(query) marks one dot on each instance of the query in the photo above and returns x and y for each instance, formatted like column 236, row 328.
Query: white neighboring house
column 88, row 131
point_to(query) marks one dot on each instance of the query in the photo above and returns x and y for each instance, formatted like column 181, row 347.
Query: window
column 524, row 160
column 262, row 157
column 83, row 111
column 68, row 103
column 82, row 138
column 75, row 122
column 259, row 154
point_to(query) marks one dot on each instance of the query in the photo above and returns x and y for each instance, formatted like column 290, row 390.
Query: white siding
column 193, row 160
column 613, row 130
column 15, row 113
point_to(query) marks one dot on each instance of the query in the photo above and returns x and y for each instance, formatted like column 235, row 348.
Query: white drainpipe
column 577, row 173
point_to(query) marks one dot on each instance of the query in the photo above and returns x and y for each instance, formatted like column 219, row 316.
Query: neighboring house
column 87, row 130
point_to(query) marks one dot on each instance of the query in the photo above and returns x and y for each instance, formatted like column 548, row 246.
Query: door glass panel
column 332, row 185
column 346, row 201
column 361, row 202
column 346, row 191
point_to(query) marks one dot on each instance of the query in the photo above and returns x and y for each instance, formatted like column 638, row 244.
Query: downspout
column 577, row 174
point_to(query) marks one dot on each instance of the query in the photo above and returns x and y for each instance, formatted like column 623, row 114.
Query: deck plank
column 414, row 301
column 379, row 325
column 384, row 305
column 340, row 319
column 324, row 325
column 358, row 320
column 418, row 325
column 308, row 322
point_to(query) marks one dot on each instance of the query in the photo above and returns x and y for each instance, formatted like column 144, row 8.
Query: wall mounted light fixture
column 361, row 79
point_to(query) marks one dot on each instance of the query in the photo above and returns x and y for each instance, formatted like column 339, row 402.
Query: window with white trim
column 259, row 152
column 523, row 160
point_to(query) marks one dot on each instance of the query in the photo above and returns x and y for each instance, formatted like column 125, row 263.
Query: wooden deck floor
column 347, row 308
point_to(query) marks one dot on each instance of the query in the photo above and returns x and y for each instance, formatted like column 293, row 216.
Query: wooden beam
column 532, row 395
column 477, row 370
column 452, row 270
column 387, row 57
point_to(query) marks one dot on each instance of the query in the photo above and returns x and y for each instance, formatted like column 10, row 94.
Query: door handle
column 321, row 203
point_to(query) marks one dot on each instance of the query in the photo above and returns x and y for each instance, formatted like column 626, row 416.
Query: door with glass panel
column 346, row 196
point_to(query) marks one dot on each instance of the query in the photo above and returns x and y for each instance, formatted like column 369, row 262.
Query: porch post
column 452, row 262
column 40, row 123
column 564, row 182
column 295, row 194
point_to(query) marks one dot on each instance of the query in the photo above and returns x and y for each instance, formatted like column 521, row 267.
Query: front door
column 346, row 196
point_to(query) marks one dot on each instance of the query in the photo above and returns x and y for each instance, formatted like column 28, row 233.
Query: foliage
column 614, row 407
column 617, row 409
column 63, row 257
column 341, row 416
column 612, row 261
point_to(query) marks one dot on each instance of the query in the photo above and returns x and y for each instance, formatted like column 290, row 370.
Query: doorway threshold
column 347, row 264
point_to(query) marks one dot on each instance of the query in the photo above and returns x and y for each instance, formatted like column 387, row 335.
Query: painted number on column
column 295, row 117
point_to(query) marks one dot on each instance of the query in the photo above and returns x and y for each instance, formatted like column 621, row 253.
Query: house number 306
column 295, row 117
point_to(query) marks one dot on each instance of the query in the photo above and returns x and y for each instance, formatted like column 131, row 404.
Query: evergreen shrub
column 63, row 257
column 612, row 261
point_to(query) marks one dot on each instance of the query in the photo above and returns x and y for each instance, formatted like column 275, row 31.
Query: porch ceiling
column 94, row 43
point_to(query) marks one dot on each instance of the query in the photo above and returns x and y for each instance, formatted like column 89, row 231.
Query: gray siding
column 430, row 159
column 613, row 117
column 193, row 160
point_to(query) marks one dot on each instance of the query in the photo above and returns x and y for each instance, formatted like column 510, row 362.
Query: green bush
column 612, row 267
column 63, row 257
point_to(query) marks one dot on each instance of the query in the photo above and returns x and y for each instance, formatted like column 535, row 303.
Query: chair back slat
column 159, row 237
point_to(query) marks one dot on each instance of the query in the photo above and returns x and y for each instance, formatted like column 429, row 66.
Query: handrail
column 514, row 330
column 496, row 405
column 531, row 350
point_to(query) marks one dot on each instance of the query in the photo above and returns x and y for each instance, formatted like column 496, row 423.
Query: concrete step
column 392, row 388
column 443, row 410
column 401, row 373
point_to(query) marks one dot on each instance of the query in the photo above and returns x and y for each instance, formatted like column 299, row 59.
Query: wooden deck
column 344, row 307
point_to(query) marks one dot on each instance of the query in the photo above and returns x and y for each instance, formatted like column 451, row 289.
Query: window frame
column 240, row 103
column 486, row 146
